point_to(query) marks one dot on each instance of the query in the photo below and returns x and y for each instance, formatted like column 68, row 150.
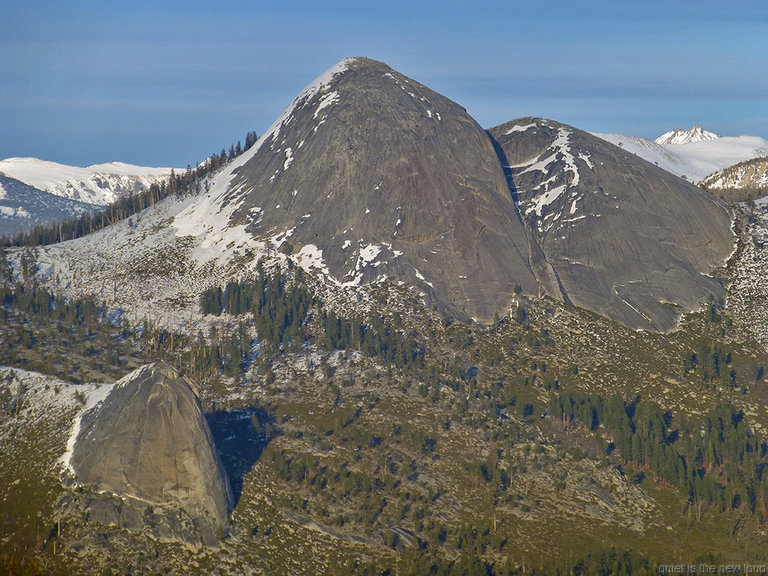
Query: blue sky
column 167, row 83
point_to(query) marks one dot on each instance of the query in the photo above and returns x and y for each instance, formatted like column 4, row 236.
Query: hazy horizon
column 166, row 85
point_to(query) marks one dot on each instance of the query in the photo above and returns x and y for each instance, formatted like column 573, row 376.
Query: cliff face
column 371, row 174
column 625, row 238
column 148, row 440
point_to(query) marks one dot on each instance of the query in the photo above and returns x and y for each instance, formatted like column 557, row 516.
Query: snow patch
column 421, row 277
column 310, row 258
column 288, row 158
column 560, row 149
column 369, row 254
column 587, row 160
column 545, row 199
column 328, row 99
column 522, row 128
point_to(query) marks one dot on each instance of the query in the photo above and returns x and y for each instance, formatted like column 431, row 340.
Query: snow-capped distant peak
column 99, row 184
column 680, row 136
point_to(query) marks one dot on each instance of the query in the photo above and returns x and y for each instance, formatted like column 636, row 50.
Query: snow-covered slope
column 22, row 207
column 693, row 160
column 99, row 184
column 680, row 136
column 749, row 175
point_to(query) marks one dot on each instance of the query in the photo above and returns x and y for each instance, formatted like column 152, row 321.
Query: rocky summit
column 369, row 174
column 625, row 238
column 148, row 441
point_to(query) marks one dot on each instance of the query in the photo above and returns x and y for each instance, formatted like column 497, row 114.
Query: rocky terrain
column 414, row 347
column 148, row 443
column 746, row 180
column 624, row 238
column 370, row 176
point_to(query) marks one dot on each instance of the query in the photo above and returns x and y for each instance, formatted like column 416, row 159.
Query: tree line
column 190, row 181
column 74, row 337
column 281, row 305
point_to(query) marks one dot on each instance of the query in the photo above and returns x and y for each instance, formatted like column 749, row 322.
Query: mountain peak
column 373, row 175
column 680, row 136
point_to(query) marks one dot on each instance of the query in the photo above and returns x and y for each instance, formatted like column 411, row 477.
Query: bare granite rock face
column 371, row 174
column 625, row 238
column 148, row 443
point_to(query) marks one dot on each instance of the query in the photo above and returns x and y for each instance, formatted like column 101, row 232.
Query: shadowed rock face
column 626, row 239
column 387, row 177
column 149, row 440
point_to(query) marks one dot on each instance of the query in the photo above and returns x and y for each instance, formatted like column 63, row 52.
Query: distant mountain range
column 22, row 207
column 692, row 154
column 35, row 192
column 680, row 136
column 100, row 184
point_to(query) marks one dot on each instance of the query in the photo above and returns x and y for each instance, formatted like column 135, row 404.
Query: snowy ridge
column 100, row 184
column 22, row 207
column 749, row 174
column 317, row 86
column 680, row 136
column 693, row 161
column 517, row 128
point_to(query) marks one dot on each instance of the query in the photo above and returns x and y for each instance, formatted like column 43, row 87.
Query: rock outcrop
column 148, row 442
column 370, row 174
column 625, row 238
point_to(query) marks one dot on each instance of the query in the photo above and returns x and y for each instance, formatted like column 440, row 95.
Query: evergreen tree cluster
column 70, row 338
column 373, row 337
column 711, row 363
column 604, row 562
column 720, row 463
column 191, row 181
column 250, row 139
column 223, row 351
column 279, row 304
